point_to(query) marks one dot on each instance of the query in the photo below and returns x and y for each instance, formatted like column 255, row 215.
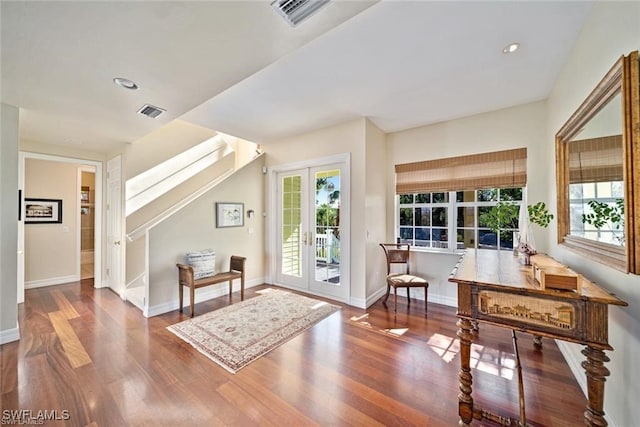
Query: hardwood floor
column 87, row 352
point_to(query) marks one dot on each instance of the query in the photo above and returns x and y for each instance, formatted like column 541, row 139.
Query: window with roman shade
column 497, row 169
column 595, row 160
column 441, row 202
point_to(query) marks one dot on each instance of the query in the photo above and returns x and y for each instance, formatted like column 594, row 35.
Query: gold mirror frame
column 623, row 78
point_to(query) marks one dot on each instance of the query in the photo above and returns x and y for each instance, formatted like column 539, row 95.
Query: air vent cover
column 151, row 111
column 296, row 11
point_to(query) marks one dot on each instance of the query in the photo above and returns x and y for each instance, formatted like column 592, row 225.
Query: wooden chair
column 398, row 253
column 185, row 278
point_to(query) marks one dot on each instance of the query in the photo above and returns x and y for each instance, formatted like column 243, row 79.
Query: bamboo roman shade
column 498, row 169
column 596, row 160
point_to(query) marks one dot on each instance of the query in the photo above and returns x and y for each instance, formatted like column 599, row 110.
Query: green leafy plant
column 500, row 216
column 612, row 216
column 539, row 214
column 506, row 215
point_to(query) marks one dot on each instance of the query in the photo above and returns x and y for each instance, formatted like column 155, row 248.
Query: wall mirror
column 598, row 171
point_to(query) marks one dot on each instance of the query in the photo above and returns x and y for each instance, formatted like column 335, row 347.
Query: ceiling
column 239, row 68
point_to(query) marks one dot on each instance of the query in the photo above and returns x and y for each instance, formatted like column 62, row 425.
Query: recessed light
column 510, row 48
column 126, row 83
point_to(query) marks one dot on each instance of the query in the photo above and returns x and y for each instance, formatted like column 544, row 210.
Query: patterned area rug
column 236, row 335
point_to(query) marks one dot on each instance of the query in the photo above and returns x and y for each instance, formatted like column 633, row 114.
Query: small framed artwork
column 43, row 211
column 229, row 215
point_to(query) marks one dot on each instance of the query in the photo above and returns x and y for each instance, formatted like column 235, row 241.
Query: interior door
column 115, row 241
column 312, row 237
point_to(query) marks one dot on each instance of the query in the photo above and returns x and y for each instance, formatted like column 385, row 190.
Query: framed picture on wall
column 42, row 211
column 229, row 215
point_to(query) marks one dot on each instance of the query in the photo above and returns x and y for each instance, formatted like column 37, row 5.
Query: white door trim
column 271, row 203
column 115, row 216
column 90, row 169
column 22, row 157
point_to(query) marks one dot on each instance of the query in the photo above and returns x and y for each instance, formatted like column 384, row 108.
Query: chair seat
column 406, row 280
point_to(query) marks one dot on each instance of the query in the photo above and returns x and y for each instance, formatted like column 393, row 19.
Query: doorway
column 87, row 182
column 56, row 274
column 311, row 241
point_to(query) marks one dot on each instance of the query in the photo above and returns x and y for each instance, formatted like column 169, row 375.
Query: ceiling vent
column 150, row 111
column 296, row 11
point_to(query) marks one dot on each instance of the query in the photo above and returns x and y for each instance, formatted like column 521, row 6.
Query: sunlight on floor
column 394, row 332
column 318, row 305
column 489, row 360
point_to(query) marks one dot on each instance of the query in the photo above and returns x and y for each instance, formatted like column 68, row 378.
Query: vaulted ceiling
column 239, row 68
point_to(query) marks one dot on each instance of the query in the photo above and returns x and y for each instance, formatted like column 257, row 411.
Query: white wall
column 611, row 31
column 521, row 126
column 149, row 151
column 344, row 138
column 194, row 228
column 8, row 223
column 375, row 205
column 51, row 250
column 62, row 151
column 162, row 144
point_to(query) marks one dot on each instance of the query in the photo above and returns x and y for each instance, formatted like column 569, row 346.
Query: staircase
column 159, row 193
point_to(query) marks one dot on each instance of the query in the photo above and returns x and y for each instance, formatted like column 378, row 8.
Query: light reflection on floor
column 489, row 360
column 362, row 321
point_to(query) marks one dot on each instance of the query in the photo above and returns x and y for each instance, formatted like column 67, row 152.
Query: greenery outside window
column 581, row 198
column 453, row 220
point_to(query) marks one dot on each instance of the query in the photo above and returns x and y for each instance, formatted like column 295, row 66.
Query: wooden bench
column 185, row 278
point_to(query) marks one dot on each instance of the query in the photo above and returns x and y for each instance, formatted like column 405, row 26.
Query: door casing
column 271, row 238
column 22, row 157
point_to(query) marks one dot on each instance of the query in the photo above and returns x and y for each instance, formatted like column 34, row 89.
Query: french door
column 312, row 239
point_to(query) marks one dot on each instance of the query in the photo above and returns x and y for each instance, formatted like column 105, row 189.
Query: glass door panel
column 327, row 220
column 328, row 216
column 312, row 211
column 291, row 228
column 291, row 225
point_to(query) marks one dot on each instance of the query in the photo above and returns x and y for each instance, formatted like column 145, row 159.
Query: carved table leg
column 475, row 326
column 596, row 376
column 465, row 401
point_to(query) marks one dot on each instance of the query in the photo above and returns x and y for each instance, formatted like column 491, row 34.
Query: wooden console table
column 495, row 287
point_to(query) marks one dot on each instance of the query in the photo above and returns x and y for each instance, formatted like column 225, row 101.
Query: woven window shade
column 596, row 160
column 499, row 169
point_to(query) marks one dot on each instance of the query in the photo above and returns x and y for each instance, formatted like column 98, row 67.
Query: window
column 441, row 202
column 424, row 219
column 453, row 220
column 582, row 195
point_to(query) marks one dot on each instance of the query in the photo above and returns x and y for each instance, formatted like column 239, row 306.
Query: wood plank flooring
column 87, row 352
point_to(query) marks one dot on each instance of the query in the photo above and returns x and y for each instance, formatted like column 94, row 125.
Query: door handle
column 304, row 239
column 117, row 242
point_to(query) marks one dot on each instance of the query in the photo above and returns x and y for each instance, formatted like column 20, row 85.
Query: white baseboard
column 443, row 300
column 9, row 335
column 432, row 297
column 51, row 281
column 574, row 360
column 370, row 300
column 203, row 294
column 135, row 296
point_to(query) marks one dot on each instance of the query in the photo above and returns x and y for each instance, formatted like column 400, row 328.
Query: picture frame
column 42, row 211
column 229, row 215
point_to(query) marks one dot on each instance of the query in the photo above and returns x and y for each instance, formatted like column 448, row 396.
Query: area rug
column 236, row 335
